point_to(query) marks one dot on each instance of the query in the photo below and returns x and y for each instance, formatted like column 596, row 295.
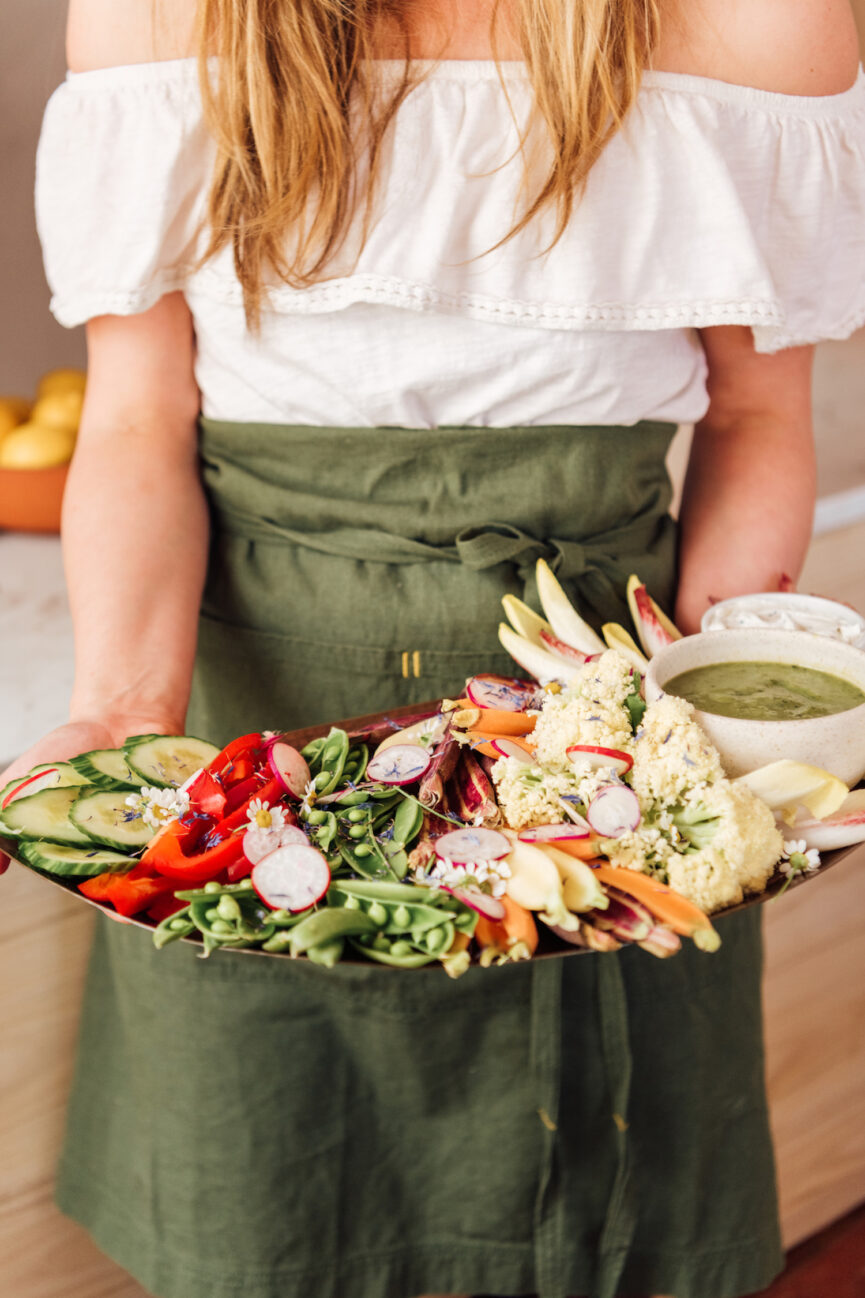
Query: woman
column 396, row 424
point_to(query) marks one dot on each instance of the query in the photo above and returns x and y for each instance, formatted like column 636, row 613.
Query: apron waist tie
column 480, row 547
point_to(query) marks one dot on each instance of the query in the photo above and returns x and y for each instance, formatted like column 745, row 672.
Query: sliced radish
column 260, row 840
column 400, row 764
column 501, row 692
column 32, row 784
column 555, row 833
column 289, row 767
column 482, row 902
column 561, row 649
column 468, row 846
column 614, row 810
column 292, row 878
column 594, row 758
column 507, row 748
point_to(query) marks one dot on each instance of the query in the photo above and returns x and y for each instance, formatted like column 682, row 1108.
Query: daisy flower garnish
column 262, row 816
column 157, row 806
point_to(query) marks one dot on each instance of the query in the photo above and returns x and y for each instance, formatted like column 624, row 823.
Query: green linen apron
column 594, row 1124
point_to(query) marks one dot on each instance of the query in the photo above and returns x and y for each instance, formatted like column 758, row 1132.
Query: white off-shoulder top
column 716, row 205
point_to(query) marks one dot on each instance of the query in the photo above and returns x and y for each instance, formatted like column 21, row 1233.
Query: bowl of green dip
column 761, row 695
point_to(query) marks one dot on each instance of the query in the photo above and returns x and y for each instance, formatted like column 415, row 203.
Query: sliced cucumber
column 60, row 858
column 167, row 761
column 106, row 768
column 53, row 775
column 45, row 815
column 103, row 817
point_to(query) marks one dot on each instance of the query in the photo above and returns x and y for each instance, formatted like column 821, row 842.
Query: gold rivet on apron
column 547, row 1120
column 405, row 665
column 415, row 662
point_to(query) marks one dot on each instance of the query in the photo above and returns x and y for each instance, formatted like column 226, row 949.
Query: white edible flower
column 798, row 858
column 157, row 806
column 262, row 816
column 490, row 875
column 307, row 802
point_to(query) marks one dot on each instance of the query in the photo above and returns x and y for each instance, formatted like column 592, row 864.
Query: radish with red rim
column 507, row 748
column 595, row 758
column 555, row 833
column 291, row 878
column 400, row 764
column 490, row 907
column 260, row 841
column 289, row 767
column 45, row 779
column 469, row 846
column 614, row 810
column 507, row 695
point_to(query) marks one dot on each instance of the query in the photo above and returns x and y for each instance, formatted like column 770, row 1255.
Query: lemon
column 58, row 410
column 13, row 411
column 33, row 446
column 61, row 381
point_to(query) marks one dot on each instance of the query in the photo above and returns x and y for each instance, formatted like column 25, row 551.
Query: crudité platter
column 524, row 818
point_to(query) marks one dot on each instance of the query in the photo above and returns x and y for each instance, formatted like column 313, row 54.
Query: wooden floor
column 831, row 1265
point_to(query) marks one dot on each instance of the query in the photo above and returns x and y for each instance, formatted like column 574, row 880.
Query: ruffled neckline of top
column 513, row 72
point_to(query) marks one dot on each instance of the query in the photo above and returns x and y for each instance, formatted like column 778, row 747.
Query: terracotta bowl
column 30, row 499
column 836, row 743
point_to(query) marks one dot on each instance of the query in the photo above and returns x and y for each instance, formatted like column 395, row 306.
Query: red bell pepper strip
column 128, row 893
column 207, row 795
column 238, row 760
column 164, row 906
column 192, row 852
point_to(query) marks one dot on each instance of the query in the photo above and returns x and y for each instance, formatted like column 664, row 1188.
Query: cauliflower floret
column 646, row 849
column 738, row 845
column 590, row 711
column 528, row 795
column 671, row 752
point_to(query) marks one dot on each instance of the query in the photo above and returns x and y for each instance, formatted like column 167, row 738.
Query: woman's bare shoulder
column 793, row 47
column 108, row 33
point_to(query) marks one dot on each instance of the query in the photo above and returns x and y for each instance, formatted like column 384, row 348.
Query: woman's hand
column 83, row 736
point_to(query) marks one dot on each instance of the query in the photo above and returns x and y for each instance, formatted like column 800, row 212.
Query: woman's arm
column 135, row 522
column 134, row 535
column 748, row 503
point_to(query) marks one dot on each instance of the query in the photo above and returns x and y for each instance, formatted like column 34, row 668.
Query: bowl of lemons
column 37, row 442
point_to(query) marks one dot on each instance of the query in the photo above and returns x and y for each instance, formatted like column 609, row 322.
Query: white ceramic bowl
column 836, row 743
column 786, row 611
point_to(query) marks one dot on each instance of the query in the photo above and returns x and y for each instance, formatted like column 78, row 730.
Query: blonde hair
column 294, row 111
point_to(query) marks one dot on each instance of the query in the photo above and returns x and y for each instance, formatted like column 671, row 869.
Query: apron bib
column 590, row 1125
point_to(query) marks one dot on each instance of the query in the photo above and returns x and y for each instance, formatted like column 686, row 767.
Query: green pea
column 357, row 831
column 402, row 916
column 435, row 939
column 355, row 816
column 351, row 903
column 350, row 769
column 362, row 850
column 228, row 908
column 222, row 927
column 317, row 817
column 401, row 948
column 280, row 916
column 212, row 913
column 378, row 913
column 213, row 886
column 322, row 780
column 178, row 923
column 380, row 943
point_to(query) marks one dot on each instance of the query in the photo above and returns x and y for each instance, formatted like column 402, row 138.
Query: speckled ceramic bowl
column 836, row 743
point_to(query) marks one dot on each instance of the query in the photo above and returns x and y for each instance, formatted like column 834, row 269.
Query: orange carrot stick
column 668, row 906
column 513, row 938
column 496, row 721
